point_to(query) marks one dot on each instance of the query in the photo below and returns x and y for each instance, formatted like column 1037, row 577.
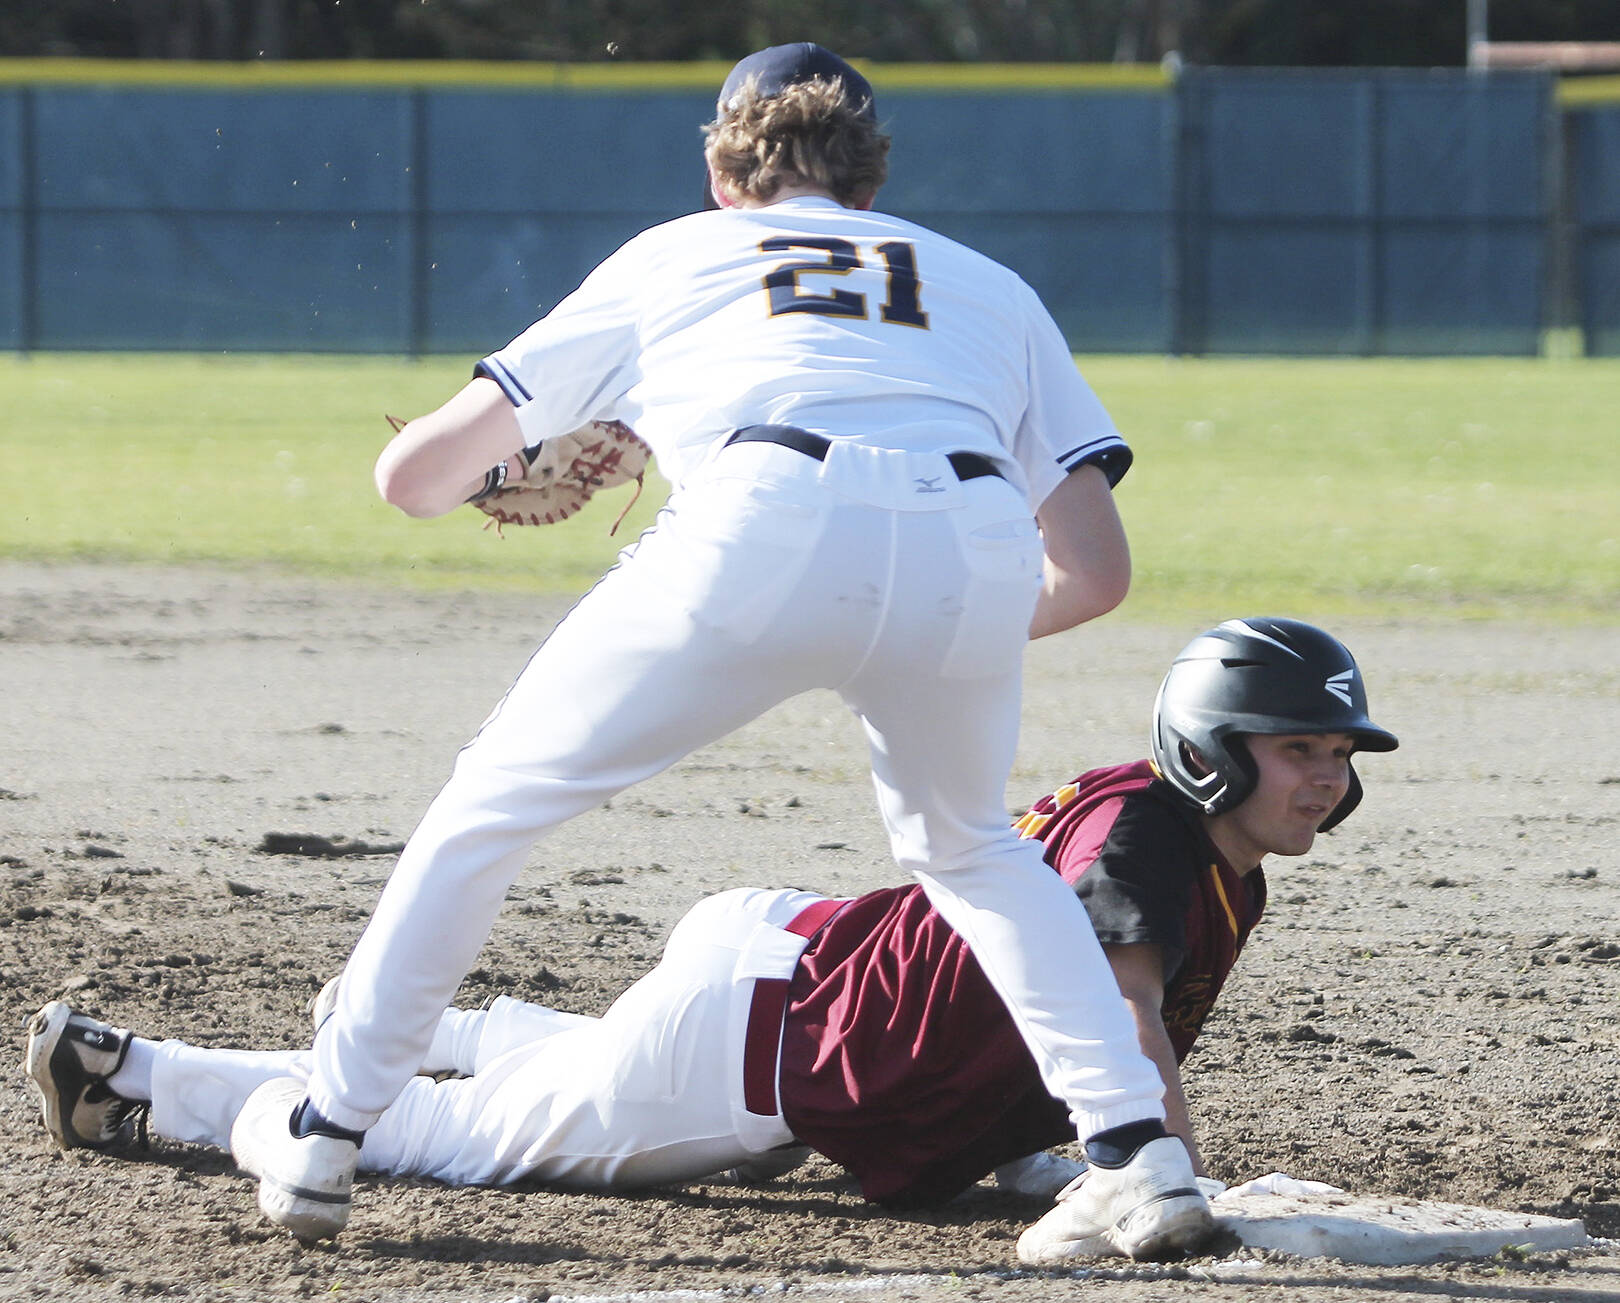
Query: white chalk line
column 1146, row 1271
column 878, row 1284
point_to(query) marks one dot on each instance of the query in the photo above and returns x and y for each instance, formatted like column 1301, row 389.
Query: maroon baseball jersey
column 899, row 1060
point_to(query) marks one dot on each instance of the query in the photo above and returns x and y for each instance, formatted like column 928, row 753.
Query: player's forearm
column 1155, row 1042
column 436, row 462
column 1139, row 970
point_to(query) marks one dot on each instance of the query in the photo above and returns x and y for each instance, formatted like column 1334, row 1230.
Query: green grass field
column 1462, row 488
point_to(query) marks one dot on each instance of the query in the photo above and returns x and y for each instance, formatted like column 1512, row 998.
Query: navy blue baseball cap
column 780, row 66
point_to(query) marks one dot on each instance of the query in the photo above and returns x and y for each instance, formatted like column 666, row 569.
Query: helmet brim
column 1368, row 736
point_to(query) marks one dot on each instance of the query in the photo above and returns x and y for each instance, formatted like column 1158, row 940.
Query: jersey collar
column 805, row 201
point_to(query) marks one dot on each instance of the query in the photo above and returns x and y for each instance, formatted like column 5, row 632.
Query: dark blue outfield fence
column 440, row 208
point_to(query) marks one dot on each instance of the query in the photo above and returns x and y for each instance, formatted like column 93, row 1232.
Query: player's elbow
column 1111, row 587
column 400, row 485
column 1074, row 599
column 1081, row 587
column 1107, row 586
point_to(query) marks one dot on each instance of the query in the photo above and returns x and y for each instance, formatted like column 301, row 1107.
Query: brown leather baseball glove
column 561, row 475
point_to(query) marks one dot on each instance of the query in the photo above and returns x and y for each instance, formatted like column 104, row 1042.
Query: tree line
column 1396, row 33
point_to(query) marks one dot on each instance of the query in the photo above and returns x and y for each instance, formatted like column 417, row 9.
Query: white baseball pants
column 649, row 1094
column 875, row 573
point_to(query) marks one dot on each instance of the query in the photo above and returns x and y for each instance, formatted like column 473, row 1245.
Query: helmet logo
column 1339, row 685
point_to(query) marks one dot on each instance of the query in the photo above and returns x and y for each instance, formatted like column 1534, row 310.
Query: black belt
column 967, row 465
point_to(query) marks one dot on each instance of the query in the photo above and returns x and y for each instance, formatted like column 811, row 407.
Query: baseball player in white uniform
column 886, row 476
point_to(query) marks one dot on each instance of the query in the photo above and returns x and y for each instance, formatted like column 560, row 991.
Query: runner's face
column 1302, row 777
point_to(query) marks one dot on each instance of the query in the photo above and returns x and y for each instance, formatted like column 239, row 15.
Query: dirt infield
column 1431, row 1009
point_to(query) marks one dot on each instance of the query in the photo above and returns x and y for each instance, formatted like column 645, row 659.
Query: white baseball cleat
column 766, row 1167
column 1149, row 1208
column 1041, row 1176
column 304, row 1181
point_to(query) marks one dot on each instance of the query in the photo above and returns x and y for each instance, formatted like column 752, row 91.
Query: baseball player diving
column 779, row 1021
column 887, row 475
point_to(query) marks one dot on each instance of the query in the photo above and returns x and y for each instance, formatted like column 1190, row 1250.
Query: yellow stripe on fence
column 468, row 74
column 1588, row 92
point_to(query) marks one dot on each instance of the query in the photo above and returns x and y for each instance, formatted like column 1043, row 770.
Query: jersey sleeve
column 1138, row 887
column 1065, row 426
column 576, row 361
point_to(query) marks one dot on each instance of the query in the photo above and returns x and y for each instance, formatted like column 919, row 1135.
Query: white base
column 1382, row 1231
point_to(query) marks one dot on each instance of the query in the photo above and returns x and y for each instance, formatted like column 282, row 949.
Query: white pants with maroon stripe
column 649, row 1094
column 876, row 574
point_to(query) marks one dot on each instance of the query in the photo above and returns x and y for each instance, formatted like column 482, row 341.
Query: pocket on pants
column 1004, row 563
column 732, row 552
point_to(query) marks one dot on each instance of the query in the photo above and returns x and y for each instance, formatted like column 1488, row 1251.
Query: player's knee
column 963, row 851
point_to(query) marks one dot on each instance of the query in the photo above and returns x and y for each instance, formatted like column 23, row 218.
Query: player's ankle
column 1118, row 1145
column 307, row 1121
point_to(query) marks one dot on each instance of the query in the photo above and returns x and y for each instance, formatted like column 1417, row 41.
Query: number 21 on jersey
column 790, row 292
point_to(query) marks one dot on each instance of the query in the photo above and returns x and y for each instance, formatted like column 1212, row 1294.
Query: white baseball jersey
column 850, row 324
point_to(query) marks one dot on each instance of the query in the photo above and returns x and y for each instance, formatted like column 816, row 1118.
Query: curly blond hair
column 808, row 134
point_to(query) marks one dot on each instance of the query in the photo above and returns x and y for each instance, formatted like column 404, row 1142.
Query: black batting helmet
column 1256, row 676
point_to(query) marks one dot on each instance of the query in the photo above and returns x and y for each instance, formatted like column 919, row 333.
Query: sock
column 307, row 1121
column 133, row 1080
column 1118, row 1145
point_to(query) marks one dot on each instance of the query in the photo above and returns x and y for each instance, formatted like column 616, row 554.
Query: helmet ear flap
column 1237, row 770
column 1352, row 798
column 1198, row 779
column 1216, row 773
